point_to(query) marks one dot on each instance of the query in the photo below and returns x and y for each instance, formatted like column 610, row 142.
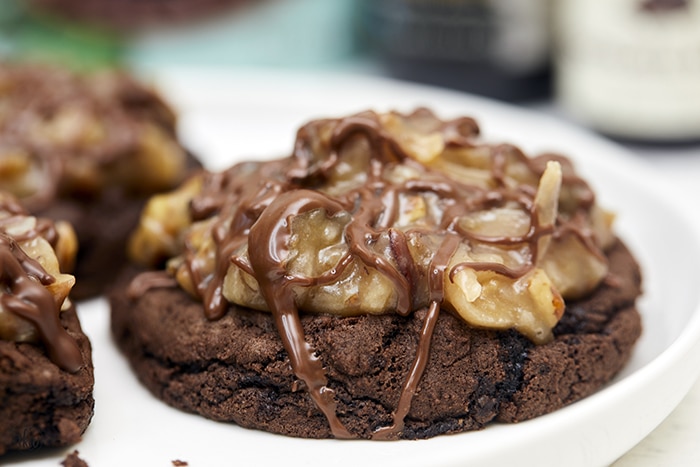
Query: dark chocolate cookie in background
column 236, row 370
column 89, row 149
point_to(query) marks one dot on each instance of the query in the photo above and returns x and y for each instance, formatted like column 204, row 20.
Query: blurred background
column 627, row 68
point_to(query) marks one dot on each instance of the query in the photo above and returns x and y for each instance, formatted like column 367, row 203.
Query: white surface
column 250, row 115
column 675, row 441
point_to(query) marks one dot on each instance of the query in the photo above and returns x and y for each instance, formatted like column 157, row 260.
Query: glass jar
column 630, row 68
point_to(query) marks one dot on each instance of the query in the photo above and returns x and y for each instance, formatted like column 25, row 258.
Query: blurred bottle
column 497, row 48
column 631, row 68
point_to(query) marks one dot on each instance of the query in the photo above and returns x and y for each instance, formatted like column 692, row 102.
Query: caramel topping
column 380, row 213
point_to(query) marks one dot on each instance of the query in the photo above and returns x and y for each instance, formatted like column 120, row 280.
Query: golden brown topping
column 369, row 207
column 164, row 222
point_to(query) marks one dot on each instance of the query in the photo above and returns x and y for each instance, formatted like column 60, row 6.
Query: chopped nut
column 573, row 269
column 163, row 223
column 488, row 299
column 158, row 164
column 66, row 246
column 423, row 147
column 19, row 172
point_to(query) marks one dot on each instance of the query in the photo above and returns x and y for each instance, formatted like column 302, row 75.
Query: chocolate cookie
column 395, row 277
column 46, row 373
column 42, row 405
column 235, row 369
column 89, row 149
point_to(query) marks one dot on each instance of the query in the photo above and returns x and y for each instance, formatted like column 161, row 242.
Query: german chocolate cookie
column 235, row 369
column 46, row 371
column 89, row 149
column 394, row 277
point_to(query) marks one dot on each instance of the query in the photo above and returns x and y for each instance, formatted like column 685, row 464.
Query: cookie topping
column 33, row 288
column 384, row 213
column 68, row 134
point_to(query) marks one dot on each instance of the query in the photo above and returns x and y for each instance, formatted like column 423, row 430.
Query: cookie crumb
column 72, row 460
column 179, row 463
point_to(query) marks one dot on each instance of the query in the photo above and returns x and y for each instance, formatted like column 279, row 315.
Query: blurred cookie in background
column 88, row 149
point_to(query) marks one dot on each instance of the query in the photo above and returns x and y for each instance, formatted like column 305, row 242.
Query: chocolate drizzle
column 255, row 205
column 24, row 281
column 435, row 283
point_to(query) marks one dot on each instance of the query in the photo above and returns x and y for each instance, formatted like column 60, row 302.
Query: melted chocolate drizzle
column 24, row 280
column 256, row 203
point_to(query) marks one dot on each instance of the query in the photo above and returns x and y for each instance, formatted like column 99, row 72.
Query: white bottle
column 631, row 68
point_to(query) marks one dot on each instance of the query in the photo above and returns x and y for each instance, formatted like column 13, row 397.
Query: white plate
column 228, row 117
